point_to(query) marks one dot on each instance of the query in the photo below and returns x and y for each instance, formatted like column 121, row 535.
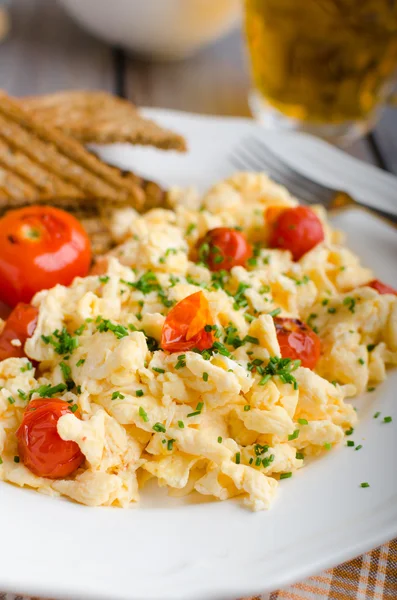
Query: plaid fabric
column 372, row 576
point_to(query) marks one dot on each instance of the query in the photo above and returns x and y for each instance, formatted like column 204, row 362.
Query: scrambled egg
column 194, row 422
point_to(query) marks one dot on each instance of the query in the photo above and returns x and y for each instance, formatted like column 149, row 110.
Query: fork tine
column 320, row 190
column 244, row 160
column 248, row 158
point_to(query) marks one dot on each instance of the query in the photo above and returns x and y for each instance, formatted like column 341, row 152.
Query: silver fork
column 253, row 154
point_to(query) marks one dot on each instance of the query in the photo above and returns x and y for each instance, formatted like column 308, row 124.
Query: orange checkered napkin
column 372, row 576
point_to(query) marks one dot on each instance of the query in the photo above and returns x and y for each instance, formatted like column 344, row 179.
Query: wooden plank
column 46, row 51
column 213, row 82
column 385, row 138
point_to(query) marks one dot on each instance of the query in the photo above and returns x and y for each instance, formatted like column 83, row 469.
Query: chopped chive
column 116, row 395
column 16, row 459
column 27, row 367
column 266, row 462
column 219, row 440
column 285, row 475
column 238, row 457
column 1, row 461
column 205, row 376
column 387, row 420
column 376, row 415
column 198, row 410
column 143, row 414
column 264, row 379
column 265, row 289
column 371, row 347
column 104, row 278
column 80, row 362
column 328, row 446
column 170, row 444
column 361, row 361
column 159, row 428
column 181, row 424
column 251, row 340
column 332, row 310
column 350, row 443
column 274, row 312
column 359, row 447
column 158, row 370
column 303, row 422
column 365, row 484
column 73, row 408
column 22, row 394
column 11, row 400
column 139, row 393
column 371, row 389
column 300, row 455
column 251, row 460
column 181, row 361
column 247, row 408
column 350, row 303
column 294, row 435
column 349, row 431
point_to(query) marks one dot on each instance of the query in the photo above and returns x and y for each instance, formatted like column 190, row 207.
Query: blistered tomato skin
column 19, row 326
column 297, row 341
column 40, row 447
column 40, row 246
column 223, row 248
column 380, row 287
column 185, row 325
column 296, row 229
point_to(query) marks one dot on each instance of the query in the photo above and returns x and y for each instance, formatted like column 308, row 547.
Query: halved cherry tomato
column 20, row 325
column 272, row 213
column 380, row 287
column 40, row 447
column 40, row 246
column 223, row 248
column 297, row 341
column 298, row 230
column 185, row 325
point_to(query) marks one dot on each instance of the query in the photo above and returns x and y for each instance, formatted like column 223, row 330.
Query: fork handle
column 343, row 199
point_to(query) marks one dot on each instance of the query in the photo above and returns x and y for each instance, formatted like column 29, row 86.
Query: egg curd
column 231, row 421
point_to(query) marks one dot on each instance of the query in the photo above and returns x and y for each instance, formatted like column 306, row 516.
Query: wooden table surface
column 46, row 51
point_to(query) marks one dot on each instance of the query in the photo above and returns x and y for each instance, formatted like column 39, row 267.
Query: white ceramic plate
column 189, row 550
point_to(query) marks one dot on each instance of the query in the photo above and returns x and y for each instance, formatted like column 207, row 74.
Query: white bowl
column 165, row 29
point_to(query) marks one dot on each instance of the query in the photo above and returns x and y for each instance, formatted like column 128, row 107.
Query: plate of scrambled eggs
column 233, row 353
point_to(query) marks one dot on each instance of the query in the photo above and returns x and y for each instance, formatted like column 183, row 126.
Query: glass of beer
column 322, row 66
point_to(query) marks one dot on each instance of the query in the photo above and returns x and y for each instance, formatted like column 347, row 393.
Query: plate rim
column 371, row 540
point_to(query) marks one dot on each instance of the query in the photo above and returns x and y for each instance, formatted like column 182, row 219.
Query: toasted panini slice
column 99, row 117
column 39, row 163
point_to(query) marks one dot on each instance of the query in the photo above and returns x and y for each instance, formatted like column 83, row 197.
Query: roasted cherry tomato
column 185, row 325
column 20, row 325
column 297, row 341
column 40, row 246
column 296, row 229
column 40, row 447
column 224, row 248
column 380, row 287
